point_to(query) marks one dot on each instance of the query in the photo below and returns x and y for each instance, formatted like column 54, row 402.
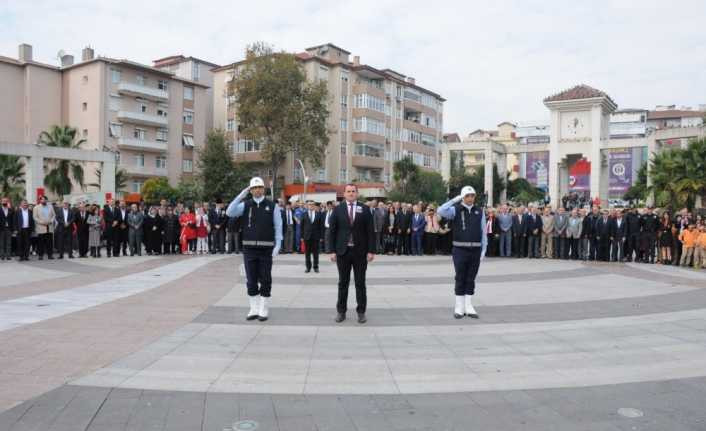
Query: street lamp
column 306, row 179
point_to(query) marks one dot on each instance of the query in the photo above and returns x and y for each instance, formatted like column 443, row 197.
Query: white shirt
column 25, row 218
column 66, row 215
column 311, row 216
column 328, row 214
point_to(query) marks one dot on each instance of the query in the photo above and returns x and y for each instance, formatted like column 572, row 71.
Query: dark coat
column 362, row 230
column 7, row 223
column 313, row 229
column 18, row 219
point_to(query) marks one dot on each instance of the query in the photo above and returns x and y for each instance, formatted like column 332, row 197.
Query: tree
column 62, row 172
column 120, row 180
column 279, row 108
column 477, row 181
column 413, row 184
column 522, row 191
column 666, row 168
column 12, row 177
column 189, row 190
column 638, row 191
column 156, row 189
column 403, row 171
column 220, row 177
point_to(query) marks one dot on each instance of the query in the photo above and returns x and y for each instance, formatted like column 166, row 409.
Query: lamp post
column 306, row 179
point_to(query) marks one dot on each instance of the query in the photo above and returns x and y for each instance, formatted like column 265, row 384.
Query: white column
column 34, row 176
column 445, row 165
column 595, row 151
column 108, row 177
column 488, row 180
column 554, row 158
column 651, row 150
column 502, row 171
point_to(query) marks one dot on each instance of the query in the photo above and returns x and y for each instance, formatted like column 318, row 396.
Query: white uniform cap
column 256, row 182
column 467, row 190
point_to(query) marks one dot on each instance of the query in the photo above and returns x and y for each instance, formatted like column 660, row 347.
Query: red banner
column 580, row 176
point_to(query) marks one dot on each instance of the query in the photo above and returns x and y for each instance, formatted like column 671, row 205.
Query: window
column 140, row 160
column 139, row 134
column 344, row 78
column 369, row 102
column 188, row 141
column 195, row 72
column 323, row 73
column 343, row 176
column 230, row 125
column 247, row 146
column 137, row 186
column 162, row 135
column 84, row 106
column 344, row 124
column 188, row 93
column 344, row 100
column 115, row 75
column 369, row 149
column 161, row 162
column 321, row 175
column 115, row 130
column 162, row 84
column 117, row 157
column 188, row 117
column 143, row 107
column 297, row 175
column 187, row 165
column 369, row 125
column 140, row 79
column 162, row 113
column 344, row 148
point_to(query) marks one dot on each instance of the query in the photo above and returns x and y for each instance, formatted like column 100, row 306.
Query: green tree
column 413, row 184
column 403, row 171
column 220, row 177
column 692, row 183
column 477, row 181
column 62, row 172
column 189, row 190
column 638, row 191
column 279, row 108
column 522, row 191
column 120, row 180
column 666, row 169
column 12, row 182
column 156, row 189
column 430, row 186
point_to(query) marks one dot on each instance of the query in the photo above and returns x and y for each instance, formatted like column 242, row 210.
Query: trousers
column 466, row 262
column 258, row 270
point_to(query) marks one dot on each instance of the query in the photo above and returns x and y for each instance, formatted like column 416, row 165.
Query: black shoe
column 261, row 318
column 308, row 270
column 316, row 270
column 340, row 317
column 472, row 315
column 361, row 318
column 253, row 317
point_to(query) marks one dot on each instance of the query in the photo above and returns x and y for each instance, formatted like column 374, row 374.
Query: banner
column 620, row 173
column 580, row 176
column 537, row 169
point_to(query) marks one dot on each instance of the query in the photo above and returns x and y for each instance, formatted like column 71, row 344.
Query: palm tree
column 120, row 180
column 666, row 171
column 58, row 180
column 12, row 177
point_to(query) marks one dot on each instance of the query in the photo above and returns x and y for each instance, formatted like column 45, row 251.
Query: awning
column 188, row 141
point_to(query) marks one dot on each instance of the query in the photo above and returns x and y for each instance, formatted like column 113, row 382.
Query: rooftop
column 581, row 91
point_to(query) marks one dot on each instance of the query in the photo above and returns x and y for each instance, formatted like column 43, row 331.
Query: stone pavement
column 161, row 343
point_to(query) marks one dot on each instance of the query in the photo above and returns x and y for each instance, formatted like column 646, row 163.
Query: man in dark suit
column 533, row 229
column 602, row 236
column 312, row 231
column 353, row 243
column 7, row 226
column 108, row 232
column 519, row 235
column 24, row 226
column 120, row 229
column 64, row 230
column 618, row 232
column 218, row 220
column 82, row 228
column 404, row 230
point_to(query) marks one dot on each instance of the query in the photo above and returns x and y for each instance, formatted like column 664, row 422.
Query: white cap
column 256, row 182
column 468, row 190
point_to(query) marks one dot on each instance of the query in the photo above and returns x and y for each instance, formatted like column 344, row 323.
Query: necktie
column 350, row 212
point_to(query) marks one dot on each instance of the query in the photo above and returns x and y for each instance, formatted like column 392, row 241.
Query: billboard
column 537, row 169
column 620, row 173
column 580, row 176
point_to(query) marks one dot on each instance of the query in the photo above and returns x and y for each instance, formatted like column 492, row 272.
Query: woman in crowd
column 431, row 230
column 188, row 232
column 153, row 232
column 389, row 230
column 202, row 229
column 666, row 240
column 95, row 229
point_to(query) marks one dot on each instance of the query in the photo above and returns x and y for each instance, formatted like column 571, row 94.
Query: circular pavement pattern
column 559, row 345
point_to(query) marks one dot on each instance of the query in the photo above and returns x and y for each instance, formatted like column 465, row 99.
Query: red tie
column 350, row 212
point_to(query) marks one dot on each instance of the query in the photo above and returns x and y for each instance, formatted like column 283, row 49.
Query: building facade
column 150, row 119
column 377, row 116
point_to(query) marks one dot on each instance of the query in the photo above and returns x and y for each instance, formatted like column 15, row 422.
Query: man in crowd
column 24, row 224
column 518, row 232
column 379, row 213
column 44, row 218
column 546, row 248
column 632, row 222
column 135, row 219
column 417, row 227
column 649, row 223
column 82, row 229
column 7, row 226
column 289, row 227
column 404, row 229
column 561, row 222
column 533, row 228
column 120, row 229
column 312, row 231
column 573, row 233
column 505, row 227
column 218, row 220
column 64, row 230
column 618, row 230
column 602, row 235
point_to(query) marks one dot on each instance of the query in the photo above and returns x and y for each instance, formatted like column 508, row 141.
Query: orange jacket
column 701, row 240
column 688, row 238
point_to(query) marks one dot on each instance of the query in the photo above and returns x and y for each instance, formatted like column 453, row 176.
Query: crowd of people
column 576, row 232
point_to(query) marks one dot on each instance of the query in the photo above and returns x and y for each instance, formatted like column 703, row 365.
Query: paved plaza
column 161, row 343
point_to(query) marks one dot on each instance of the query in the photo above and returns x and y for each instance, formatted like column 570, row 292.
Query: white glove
column 275, row 251
column 458, row 198
column 244, row 193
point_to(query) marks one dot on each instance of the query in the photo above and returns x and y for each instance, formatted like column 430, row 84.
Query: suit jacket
column 362, row 230
column 43, row 224
column 618, row 232
column 82, row 225
column 7, row 223
column 18, row 219
column 64, row 224
column 602, row 229
column 379, row 219
column 386, row 225
column 561, row 222
column 418, row 223
column 135, row 220
column 530, row 224
column 518, row 225
column 118, row 217
column 404, row 221
column 574, row 227
column 217, row 217
column 313, row 229
column 548, row 224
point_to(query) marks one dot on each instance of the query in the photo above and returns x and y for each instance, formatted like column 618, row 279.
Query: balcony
column 142, row 145
column 368, row 162
column 138, row 90
column 141, row 118
column 144, row 171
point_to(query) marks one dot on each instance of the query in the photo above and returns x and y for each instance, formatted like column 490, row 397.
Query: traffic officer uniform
column 470, row 241
column 262, row 235
column 649, row 223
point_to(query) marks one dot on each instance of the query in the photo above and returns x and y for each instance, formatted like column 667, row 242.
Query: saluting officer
column 469, row 243
column 262, row 235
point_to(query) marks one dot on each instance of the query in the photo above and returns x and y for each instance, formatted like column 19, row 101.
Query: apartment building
column 377, row 116
column 151, row 119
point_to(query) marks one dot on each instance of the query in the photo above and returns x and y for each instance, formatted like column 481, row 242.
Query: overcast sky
column 492, row 61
